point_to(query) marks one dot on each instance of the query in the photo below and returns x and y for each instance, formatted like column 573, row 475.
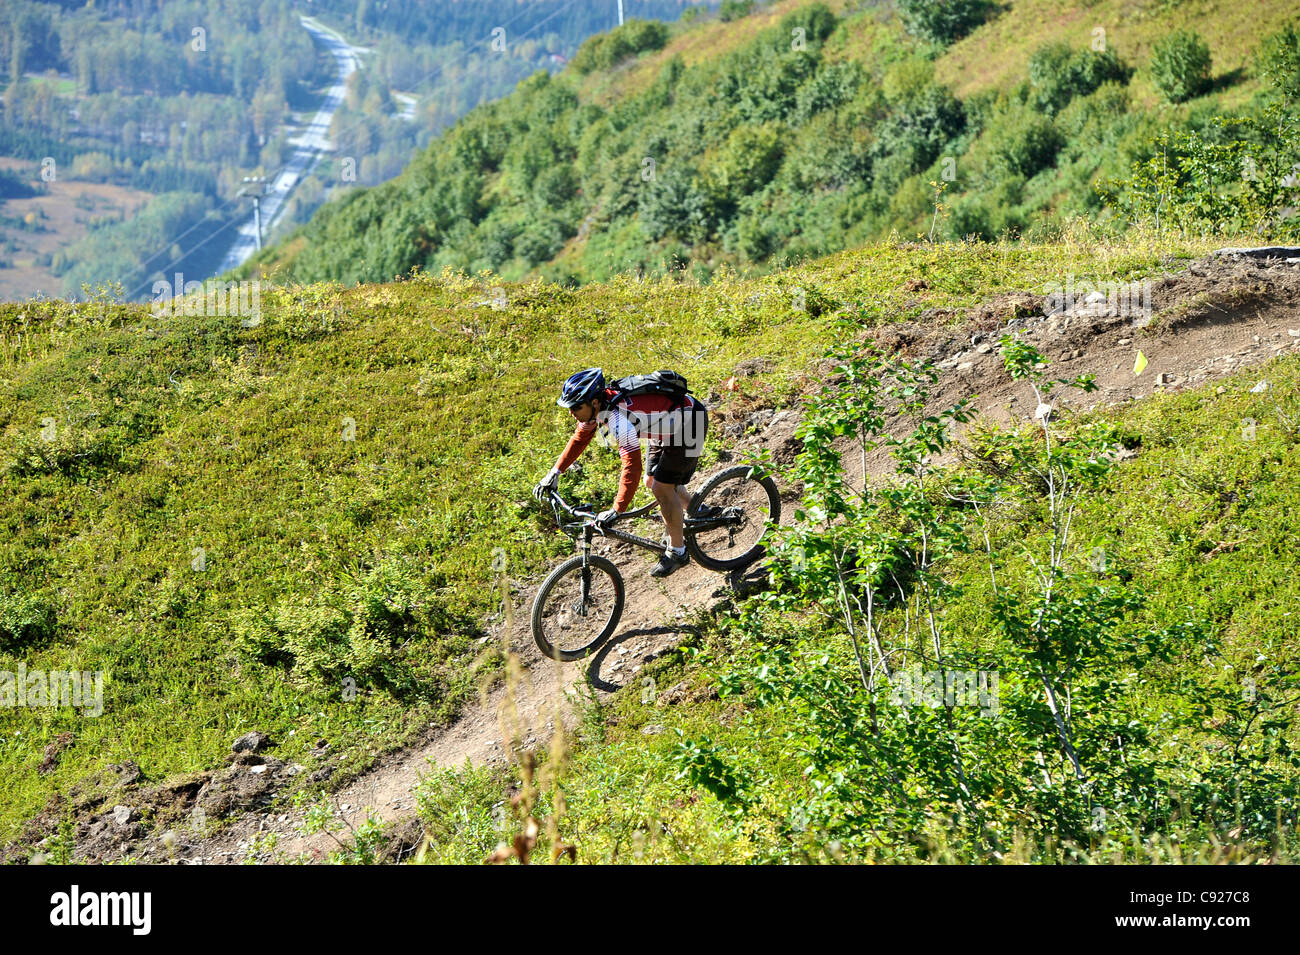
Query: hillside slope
column 315, row 530
column 800, row 130
column 1203, row 351
column 216, row 503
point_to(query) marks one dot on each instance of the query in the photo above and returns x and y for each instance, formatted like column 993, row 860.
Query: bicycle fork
column 580, row 605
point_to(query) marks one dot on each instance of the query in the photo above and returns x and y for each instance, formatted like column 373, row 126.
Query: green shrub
column 1092, row 707
column 1234, row 178
column 1278, row 59
column 354, row 630
column 464, row 813
column 1099, row 110
column 816, row 20
column 543, row 239
column 750, row 159
column 919, row 128
column 832, row 86
column 677, row 204
column 25, row 621
column 1180, row 66
column 1058, row 74
column 1025, row 142
column 942, row 21
column 605, row 50
column 735, row 9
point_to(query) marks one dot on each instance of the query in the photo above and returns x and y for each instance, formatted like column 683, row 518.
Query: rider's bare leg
column 673, row 500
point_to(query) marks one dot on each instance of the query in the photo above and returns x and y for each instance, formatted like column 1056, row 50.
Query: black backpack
column 667, row 383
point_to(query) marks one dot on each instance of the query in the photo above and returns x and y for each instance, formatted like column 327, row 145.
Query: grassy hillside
column 231, row 519
column 995, row 56
column 806, row 128
column 755, row 742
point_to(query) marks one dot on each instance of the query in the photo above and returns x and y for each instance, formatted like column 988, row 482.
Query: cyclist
column 674, row 430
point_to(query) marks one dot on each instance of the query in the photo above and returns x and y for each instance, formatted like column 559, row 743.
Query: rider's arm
column 628, row 481
column 577, row 444
column 629, row 448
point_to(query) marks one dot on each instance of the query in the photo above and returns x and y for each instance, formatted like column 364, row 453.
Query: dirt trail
column 1221, row 314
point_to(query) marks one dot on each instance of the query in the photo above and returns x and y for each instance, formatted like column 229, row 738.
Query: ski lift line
column 186, row 254
column 234, row 199
column 216, row 232
column 237, row 198
column 225, row 205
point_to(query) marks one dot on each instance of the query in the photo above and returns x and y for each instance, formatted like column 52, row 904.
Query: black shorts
column 675, row 463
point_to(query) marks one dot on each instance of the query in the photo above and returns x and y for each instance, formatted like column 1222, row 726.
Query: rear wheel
column 577, row 607
column 745, row 503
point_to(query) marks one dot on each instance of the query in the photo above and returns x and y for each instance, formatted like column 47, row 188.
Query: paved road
column 308, row 146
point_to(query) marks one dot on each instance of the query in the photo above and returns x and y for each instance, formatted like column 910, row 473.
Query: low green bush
column 943, row 21
column 1180, row 66
column 1058, row 74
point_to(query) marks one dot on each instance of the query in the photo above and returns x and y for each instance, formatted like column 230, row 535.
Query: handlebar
column 557, row 500
column 560, row 505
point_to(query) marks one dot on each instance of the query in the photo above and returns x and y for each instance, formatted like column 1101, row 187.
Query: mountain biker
column 674, row 430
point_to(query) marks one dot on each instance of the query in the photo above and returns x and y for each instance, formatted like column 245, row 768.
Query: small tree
column 735, row 9
column 1278, row 60
column 942, row 21
column 1180, row 66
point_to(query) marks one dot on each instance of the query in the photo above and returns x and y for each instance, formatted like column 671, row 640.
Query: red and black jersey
column 655, row 418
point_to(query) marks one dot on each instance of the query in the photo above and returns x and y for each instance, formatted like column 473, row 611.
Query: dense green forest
column 816, row 132
column 177, row 99
column 442, row 60
column 190, row 96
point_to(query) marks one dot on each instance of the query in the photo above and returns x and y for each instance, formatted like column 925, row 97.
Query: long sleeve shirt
column 651, row 417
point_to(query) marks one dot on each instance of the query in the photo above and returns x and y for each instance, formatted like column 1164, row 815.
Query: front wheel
column 739, row 505
column 577, row 607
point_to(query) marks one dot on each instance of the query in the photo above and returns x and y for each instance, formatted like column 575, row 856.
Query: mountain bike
column 580, row 601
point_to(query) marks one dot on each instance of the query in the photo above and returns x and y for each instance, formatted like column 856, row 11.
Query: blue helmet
column 581, row 387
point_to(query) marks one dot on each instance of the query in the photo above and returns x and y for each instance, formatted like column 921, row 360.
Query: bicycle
column 580, row 602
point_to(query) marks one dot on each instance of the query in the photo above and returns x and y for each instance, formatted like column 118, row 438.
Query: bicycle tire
column 596, row 562
column 701, row 497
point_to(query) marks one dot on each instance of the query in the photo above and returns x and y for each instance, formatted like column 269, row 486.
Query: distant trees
column 13, row 187
column 28, row 40
column 189, row 95
column 763, row 153
column 114, row 252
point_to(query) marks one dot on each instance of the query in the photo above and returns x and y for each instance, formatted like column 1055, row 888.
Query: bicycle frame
column 587, row 528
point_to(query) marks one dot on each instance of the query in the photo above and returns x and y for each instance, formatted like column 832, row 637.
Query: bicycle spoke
column 576, row 612
column 744, row 508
